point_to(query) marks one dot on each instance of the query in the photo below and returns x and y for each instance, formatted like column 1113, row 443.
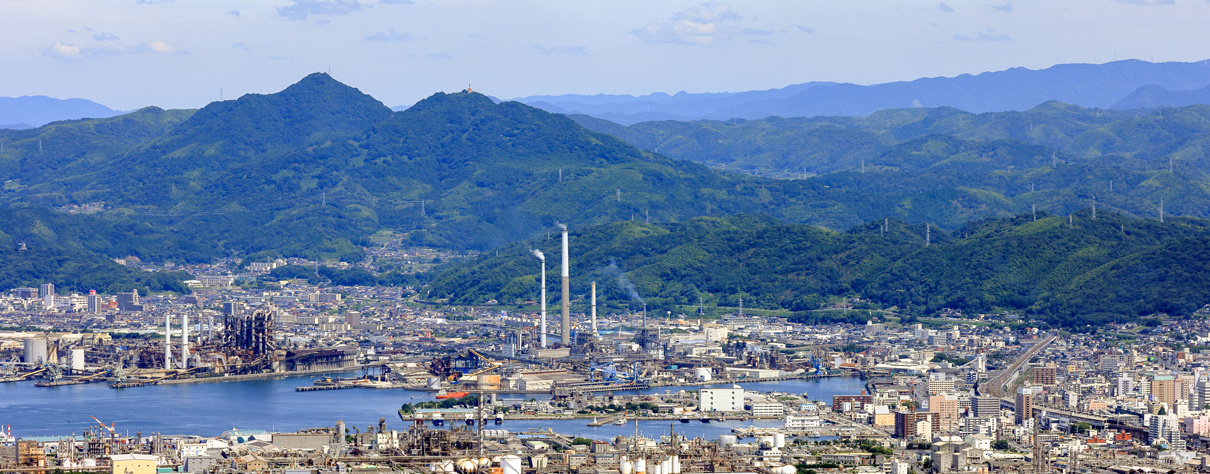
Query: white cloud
column 701, row 25
column 301, row 9
column 241, row 47
column 71, row 52
column 945, row 8
column 390, row 36
column 234, row 13
column 991, row 35
column 803, row 29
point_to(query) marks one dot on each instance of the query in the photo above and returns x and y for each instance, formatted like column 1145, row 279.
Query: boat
column 684, row 419
column 438, row 419
column 442, row 395
column 620, row 421
column 499, row 419
column 470, row 419
column 705, row 419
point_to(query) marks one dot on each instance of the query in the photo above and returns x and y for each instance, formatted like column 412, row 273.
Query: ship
column 620, row 421
column 470, row 419
column 442, row 395
column 499, row 419
column 438, row 419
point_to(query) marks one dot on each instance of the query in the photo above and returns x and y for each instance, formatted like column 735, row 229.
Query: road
column 995, row 385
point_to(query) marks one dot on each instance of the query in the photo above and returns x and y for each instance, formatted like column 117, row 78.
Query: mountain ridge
column 1086, row 85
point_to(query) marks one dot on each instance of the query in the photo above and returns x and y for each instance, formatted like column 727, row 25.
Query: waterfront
column 208, row 409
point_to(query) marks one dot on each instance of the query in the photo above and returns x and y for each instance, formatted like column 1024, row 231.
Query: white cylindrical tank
column 88, row 462
column 702, row 373
column 727, row 440
column 511, row 464
column 766, row 441
column 779, row 440
column 484, row 463
column 666, row 466
column 676, row 465
column 77, row 358
column 467, row 466
column 626, row 467
column 655, row 469
column 35, row 351
column 640, row 466
column 788, row 469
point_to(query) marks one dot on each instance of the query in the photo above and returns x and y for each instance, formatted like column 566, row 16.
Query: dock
column 606, row 421
column 316, row 388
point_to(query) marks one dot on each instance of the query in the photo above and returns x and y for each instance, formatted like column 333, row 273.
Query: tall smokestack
column 184, row 341
column 542, row 327
column 594, row 309
column 167, row 341
column 566, row 292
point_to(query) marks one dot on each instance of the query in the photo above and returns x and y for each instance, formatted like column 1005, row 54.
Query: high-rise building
column 986, row 406
column 1164, row 389
column 129, row 301
column 946, row 408
column 1044, row 375
column 908, row 424
column 46, row 289
column 1025, row 403
column 94, row 301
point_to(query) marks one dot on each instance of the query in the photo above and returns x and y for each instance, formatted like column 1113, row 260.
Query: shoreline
column 261, row 376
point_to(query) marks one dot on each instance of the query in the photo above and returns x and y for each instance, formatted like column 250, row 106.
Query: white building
column 765, row 410
column 721, row 399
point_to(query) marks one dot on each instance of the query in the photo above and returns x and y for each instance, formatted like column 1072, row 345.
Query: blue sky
column 180, row 53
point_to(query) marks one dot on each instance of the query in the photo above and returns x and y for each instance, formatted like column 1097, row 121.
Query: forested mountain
column 1073, row 273
column 1086, row 85
column 317, row 168
column 70, row 250
column 1056, row 156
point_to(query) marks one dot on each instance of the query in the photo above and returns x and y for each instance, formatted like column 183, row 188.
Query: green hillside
column 71, row 252
column 1113, row 268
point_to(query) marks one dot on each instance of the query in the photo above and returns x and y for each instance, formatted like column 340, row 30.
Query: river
column 208, row 409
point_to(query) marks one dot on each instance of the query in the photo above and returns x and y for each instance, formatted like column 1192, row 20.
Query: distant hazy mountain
column 1086, row 85
column 1155, row 96
column 34, row 111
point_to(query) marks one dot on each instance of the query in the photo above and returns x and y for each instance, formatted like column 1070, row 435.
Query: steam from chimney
column 538, row 253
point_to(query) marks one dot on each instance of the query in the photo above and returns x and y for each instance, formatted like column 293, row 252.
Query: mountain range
column 34, row 111
column 1086, row 85
column 315, row 169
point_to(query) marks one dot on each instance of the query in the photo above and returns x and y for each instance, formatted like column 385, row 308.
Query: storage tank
column 626, row 467
column 766, row 441
column 666, row 466
column 640, row 466
column 779, row 440
column 77, row 359
column 788, row 469
column 676, row 465
column 467, row 466
column 35, row 351
column 88, row 462
column 702, row 373
column 727, row 440
column 511, row 464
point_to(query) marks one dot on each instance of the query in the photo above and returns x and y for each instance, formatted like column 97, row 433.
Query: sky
column 128, row 54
